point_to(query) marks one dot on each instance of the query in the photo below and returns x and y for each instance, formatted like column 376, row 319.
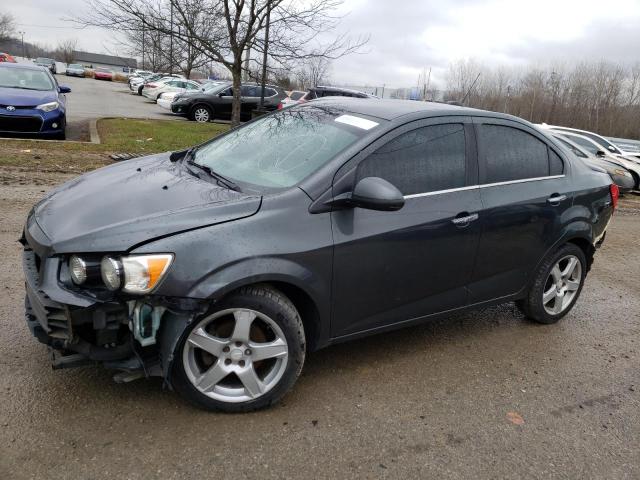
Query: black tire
column 532, row 305
column 194, row 115
column 278, row 307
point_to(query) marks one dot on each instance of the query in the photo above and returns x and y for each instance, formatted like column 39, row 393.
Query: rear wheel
column 202, row 114
column 242, row 356
column 557, row 285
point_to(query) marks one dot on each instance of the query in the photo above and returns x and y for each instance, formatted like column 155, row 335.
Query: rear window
column 296, row 95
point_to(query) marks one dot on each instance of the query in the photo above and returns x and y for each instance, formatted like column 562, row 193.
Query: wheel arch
column 308, row 292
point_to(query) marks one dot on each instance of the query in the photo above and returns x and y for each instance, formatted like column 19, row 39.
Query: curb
column 93, row 131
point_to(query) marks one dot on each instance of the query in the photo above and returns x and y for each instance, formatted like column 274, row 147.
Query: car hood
column 125, row 205
column 26, row 98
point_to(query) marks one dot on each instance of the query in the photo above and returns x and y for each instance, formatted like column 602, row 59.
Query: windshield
column 26, row 78
column 282, row 149
column 75, row 65
column 44, row 60
column 103, row 70
column 296, row 95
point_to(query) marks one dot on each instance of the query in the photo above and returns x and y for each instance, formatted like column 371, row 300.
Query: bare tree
column 602, row 97
column 313, row 72
column 221, row 30
column 7, row 26
column 65, row 49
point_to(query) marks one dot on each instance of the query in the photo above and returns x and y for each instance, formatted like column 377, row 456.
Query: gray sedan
column 74, row 70
column 619, row 175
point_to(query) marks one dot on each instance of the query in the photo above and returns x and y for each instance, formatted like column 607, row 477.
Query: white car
column 597, row 149
column 600, row 140
column 153, row 90
column 293, row 98
column 166, row 99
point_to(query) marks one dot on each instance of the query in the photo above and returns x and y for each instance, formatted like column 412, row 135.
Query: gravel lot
column 435, row 401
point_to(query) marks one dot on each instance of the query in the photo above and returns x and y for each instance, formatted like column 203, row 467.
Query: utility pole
column 23, row 51
column 264, row 57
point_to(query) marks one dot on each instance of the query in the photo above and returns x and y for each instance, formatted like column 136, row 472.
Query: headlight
column 48, row 107
column 111, row 270
column 78, row 269
column 619, row 171
column 135, row 273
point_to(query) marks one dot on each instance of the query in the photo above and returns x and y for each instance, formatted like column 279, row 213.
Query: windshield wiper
column 222, row 180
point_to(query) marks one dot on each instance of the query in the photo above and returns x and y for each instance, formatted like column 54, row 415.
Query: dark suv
column 220, row 267
column 215, row 101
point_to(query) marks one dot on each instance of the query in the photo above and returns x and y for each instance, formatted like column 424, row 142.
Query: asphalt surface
column 479, row 395
column 91, row 99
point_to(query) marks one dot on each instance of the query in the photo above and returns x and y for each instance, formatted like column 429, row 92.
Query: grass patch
column 118, row 135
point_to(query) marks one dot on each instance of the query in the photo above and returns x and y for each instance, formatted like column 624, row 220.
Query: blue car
column 31, row 101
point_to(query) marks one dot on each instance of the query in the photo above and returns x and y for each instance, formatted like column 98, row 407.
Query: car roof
column 391, row 109
column 26, row 66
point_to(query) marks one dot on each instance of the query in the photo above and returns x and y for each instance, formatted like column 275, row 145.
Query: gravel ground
column 480, row 395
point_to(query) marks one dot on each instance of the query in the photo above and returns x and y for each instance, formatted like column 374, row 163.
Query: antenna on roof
column 470, row 88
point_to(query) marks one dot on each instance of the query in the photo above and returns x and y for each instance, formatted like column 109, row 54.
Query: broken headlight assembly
column 134, row 274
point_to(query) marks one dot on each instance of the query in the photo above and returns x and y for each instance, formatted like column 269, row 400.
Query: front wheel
column 242, row 356
column 202, row 114
column 557, row 285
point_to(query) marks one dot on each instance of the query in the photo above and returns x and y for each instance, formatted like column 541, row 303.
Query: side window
column 584, row 143
column 269, row 92
column 423, row 160
column 556, row 166
column 511, row 154
column 191, row 86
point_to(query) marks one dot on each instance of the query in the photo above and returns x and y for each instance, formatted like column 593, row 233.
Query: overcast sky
column 410, row 35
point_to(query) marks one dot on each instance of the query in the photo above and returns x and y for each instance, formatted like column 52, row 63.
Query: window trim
column 484, row 185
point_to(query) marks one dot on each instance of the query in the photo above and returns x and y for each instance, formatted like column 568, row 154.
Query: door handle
column 556, row 199
column 466, row 220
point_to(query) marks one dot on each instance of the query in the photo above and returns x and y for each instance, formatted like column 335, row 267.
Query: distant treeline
column 603, row 97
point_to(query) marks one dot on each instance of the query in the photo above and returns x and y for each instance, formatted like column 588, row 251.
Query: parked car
column 606, row 145
column 102, row 73
column 631, row 147
column 292, row 98
column 74, row 70
column 619, row 175
column 215, row 102
column 321, row 92
column 5, row 57
column 153, row 90
column 137, row 85
column 31, row 101
column 49, row 63
column 313, row 225
column 166, row 99
column 597, row 150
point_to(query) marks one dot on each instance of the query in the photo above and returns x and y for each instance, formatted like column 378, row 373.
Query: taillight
column 615, row 194
column 150, row 85
column 280, row 106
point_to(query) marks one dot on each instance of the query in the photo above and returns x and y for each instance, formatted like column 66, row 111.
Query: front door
column 391, row 267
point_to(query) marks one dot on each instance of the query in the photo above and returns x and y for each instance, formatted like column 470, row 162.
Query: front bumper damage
column 135, row 336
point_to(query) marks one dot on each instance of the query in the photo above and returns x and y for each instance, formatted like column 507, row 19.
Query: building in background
column 113, row 62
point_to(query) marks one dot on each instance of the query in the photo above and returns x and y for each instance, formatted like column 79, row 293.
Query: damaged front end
column 135, row 335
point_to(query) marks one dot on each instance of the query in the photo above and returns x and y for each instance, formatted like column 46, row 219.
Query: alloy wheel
column 562, row 285
column 201, row 115
column 235, row 355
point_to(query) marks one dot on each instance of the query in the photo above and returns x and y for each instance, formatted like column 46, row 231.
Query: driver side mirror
column 372, row 193
column 601, row 153
column 64, row 89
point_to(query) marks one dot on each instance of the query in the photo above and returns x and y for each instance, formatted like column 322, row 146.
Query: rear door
column 524, row 192
column 391, row 267
column 223, row 102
